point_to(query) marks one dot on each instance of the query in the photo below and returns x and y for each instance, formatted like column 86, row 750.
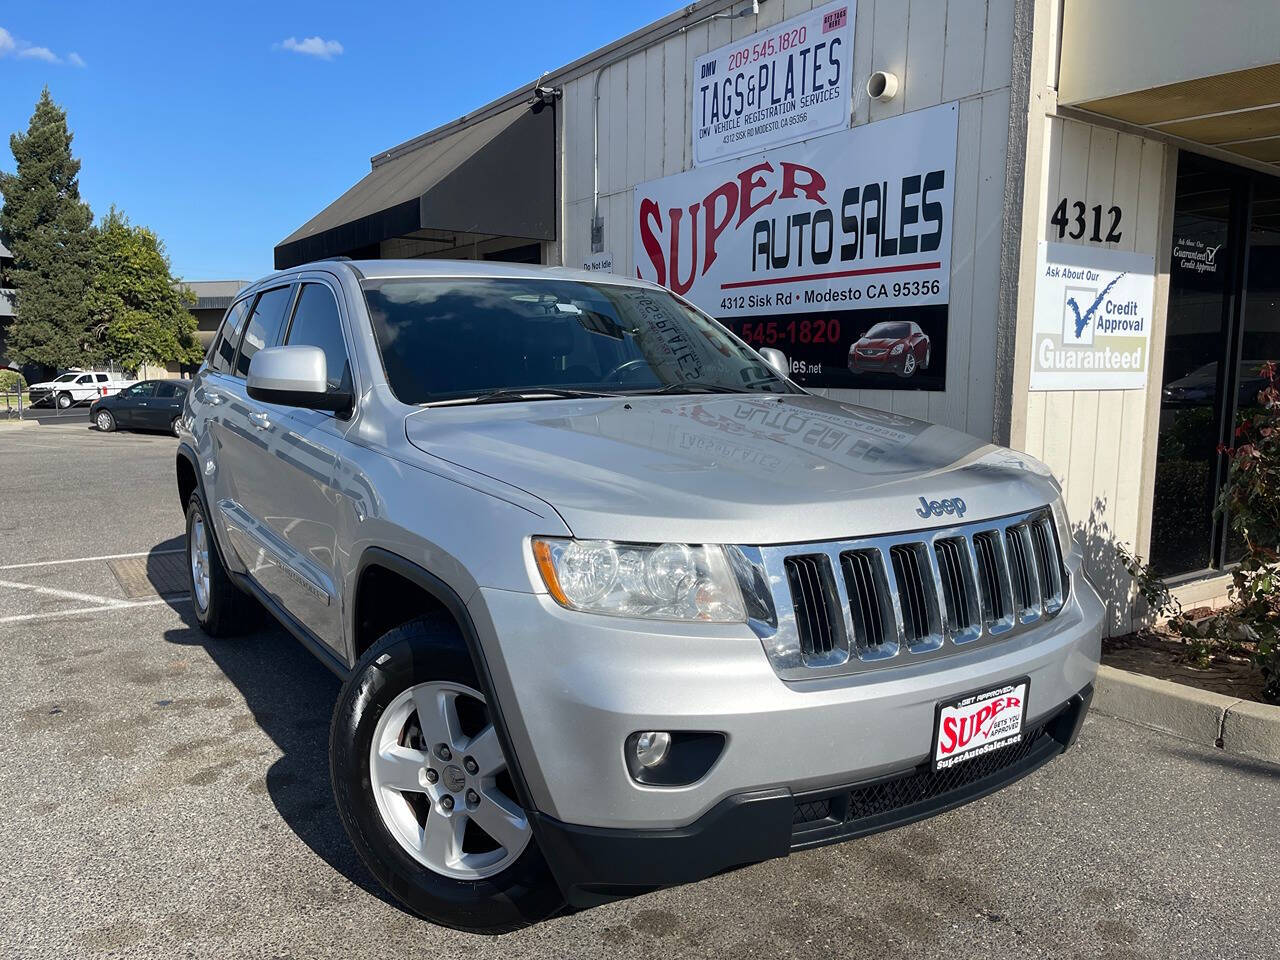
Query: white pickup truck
column 77, row 386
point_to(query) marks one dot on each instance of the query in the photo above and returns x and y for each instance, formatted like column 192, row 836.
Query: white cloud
column 9, row 44
column 313, row 47
column 39, row 53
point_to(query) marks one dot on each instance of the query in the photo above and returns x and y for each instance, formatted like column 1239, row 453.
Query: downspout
column 597, row 222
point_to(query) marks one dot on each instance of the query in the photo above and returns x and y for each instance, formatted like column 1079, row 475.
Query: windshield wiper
column 524, row 393
column 694, row 386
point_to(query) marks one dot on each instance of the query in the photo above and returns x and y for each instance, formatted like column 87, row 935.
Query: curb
column 1240, row 727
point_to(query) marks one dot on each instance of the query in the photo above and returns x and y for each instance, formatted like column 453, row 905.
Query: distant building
column 212, row 299
column 8, row 304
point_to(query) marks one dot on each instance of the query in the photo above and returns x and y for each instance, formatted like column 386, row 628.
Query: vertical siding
column 1096, row 441
column 941, row 50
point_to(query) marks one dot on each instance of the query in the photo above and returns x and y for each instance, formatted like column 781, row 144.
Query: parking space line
column 62, row 594
column 109, row 556
column 120, row 605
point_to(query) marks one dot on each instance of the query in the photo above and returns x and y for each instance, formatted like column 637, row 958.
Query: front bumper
column 573, row 687
column 594, row 865
column 881, row 364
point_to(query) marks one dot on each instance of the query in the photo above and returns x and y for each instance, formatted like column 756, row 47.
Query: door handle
column 260, row 420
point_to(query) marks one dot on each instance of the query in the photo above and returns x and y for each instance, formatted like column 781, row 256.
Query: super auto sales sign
column 854, row 221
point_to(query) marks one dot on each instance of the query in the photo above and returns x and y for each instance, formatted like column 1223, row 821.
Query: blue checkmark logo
column 1082, row 319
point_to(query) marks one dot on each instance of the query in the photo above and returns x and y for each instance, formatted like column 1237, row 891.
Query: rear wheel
column 424, row 791
column 105, row 421
column 173, row 426
column 218, row 604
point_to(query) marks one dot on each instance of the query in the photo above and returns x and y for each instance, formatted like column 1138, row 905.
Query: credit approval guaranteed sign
column 787, row 83
column 853, row 220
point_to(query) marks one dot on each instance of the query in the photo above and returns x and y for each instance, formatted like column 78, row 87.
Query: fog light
column 652, row 747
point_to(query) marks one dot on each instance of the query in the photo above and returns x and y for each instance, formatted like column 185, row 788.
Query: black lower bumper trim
column 594, row 864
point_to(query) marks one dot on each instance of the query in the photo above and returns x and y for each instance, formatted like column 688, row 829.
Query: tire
column 928, row 355
column 428, row 656
column 908, row 366
column 220, row 607
column 173, row 426
column 105, row 421
column 64, row 401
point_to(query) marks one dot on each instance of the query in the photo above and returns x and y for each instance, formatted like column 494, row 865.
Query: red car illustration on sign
column 894, row 346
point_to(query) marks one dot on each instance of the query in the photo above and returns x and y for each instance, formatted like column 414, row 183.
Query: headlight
column 668, row 581
column 897, row 349
column 1063, row 523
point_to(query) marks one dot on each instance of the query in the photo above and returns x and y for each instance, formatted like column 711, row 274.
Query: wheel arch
column 188, row 474
column 377, row 562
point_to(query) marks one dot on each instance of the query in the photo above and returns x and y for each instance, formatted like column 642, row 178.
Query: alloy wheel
column 104, row 421
column 198, row 548
column 441, row 782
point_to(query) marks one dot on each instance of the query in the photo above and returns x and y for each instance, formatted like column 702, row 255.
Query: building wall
column 941, row 50
column 1101, row 444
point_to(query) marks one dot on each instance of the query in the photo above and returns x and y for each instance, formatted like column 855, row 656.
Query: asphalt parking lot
column 167, row 795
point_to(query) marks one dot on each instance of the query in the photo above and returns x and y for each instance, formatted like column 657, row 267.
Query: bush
column 11, row 382
column 1250, row 501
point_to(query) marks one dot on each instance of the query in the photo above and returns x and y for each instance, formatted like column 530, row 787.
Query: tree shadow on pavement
column 291, row 697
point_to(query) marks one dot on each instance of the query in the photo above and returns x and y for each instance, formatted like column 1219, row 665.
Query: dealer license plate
column 978, row 723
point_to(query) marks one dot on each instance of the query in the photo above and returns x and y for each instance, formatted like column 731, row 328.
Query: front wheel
column 64, row 401
column 105, row 421
column 908, row 365
column 424, row 790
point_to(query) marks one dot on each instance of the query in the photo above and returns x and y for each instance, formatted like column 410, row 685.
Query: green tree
column 137, row 311
column 47, row 228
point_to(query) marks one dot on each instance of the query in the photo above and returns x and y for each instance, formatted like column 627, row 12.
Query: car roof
column 480, row 269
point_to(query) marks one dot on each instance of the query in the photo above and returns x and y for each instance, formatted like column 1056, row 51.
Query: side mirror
column 776, row 359
column 295, row 377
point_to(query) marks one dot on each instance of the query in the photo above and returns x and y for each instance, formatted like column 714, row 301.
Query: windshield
column 889, row 331
column 66, row 377
column 444, row 339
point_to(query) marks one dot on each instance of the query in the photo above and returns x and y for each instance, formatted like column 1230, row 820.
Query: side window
column 102, row 377
column 223, row 352
column 166, row 390
column 263, row 327
column 316, row 324
column 141, row 390
column 85, row 379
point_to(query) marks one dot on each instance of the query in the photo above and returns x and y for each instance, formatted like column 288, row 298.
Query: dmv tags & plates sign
column 790, row 82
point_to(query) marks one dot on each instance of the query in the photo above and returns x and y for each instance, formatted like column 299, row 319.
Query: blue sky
column 209, row 124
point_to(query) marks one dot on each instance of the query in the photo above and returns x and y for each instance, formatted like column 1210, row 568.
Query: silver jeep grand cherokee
column 617, row 605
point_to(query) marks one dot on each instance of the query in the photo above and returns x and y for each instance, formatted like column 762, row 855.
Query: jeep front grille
column 847, row 606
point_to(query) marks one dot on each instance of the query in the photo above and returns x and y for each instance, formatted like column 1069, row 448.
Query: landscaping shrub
column 1251, row 502
column 11, row 381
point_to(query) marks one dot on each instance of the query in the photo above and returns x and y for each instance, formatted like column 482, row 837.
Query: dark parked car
column 895, row 346
column 147, row 405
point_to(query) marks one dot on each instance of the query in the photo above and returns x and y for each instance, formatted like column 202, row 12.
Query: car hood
column 731, row 468
column 877, row 344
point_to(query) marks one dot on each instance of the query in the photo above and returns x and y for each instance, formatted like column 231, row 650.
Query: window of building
column 1223, row 323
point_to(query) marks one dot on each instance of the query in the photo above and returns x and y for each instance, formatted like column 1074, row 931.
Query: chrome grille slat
column 847, row 606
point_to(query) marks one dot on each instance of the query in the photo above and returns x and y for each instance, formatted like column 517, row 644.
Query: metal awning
column 496, row 177
column 1200, row 73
